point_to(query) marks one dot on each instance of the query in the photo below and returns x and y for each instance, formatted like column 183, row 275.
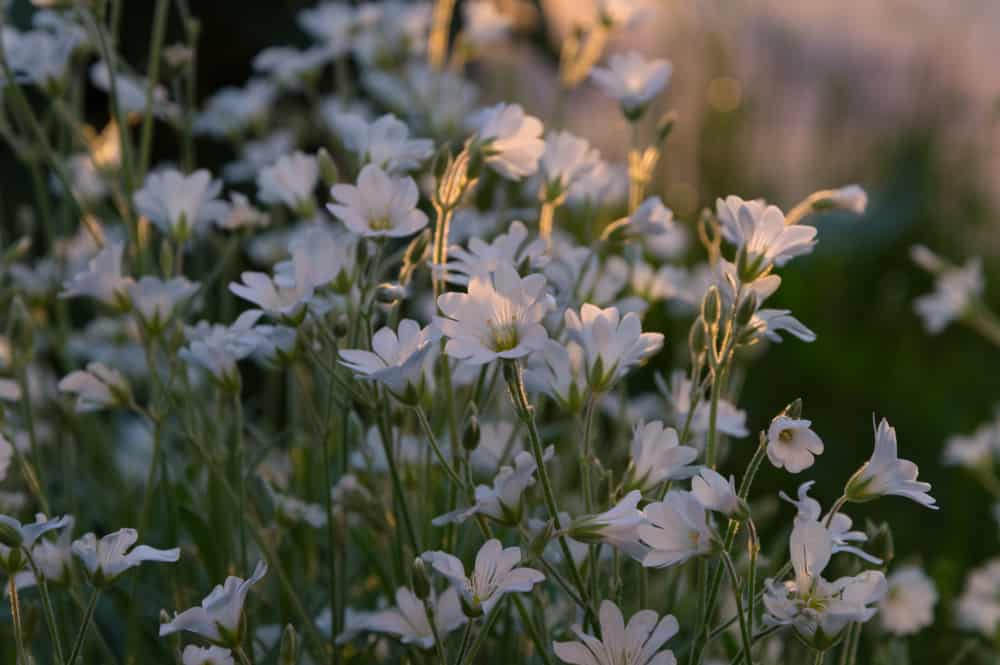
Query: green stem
column 425, row 424
column 540, row 645
column 438, row 647
column 158, row 33
column 484, row 633
column 15, row 612
column 385, row 434
column 819, row 658
column 50, row 616
column 737, row 594
column 963, row 651
column 711, row 451
column 81, row 636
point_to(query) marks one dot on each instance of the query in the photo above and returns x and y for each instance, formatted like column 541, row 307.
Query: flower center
column 380, row 223
column 504, row 336
column 786, row 436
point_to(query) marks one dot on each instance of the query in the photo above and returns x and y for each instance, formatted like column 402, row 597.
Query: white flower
column 715, row 493
column 657, row 456
column 109, row 557
column 637, row 643
column 6, row 454
column 297, row 511
column 97, row 388
column 974, row 450
column 979, row 604
column 132, row 91
column 887, row 475
column 24, row 536
column 379, row 206
column 494, row 575
column 483, row 22
column 502, row 501
column 482, row 259
column 259, row 154
column 769, row 322
column 566, row 159
column 396, row 360
column 386, row 142
column 558, row 371
column 179, row 204
column 155, row 300
column 330, row 23
column 633, row 80
column 612, row 344
column 760, row 233
column 103, row 279
column 618, row 527
column 497, row 441
column 206, row 656
column 53, row 559
column 499, row 317
column 791, row 444
column 218, row 619
column 510, row 139
column 678, row 529
column 370, row 456
column 850, row 197
column 231, row 110
column 839, row 526
column 730, row 420
column 242, row 214
column 908, row 606
column 289, row 66
column 408, row 620
column 291, row 181
column 818, row 610
column 652, row 218
column 39, row 56
column 955, row 289
column 217, row 348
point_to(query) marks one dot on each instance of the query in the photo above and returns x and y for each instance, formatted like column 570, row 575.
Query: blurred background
column 777, row 99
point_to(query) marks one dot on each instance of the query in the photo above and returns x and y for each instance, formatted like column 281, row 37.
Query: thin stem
column 385, row 432
column 543, row 648
column 965, row 650
column 438, row 647
column 738, row 596
column 819, row 658
column 50, row 616
column 484, row 632
column 437, row 47
column 15, row 612
column 546, row 217
column 80, row 636
column 159, row 31
column 425, row 424
column 711, row 451
column 466, row 636
column 242, row 656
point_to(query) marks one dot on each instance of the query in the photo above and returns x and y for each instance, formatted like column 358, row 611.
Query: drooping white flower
column 212, row 655
column 908, row 606
column 296, row 511
column 180, row 204
column 290, row 181
column 24, row 536
column 102, row 279
column 397, row 359
column 760, row 233
column 408, row 621
column 979, row 604
column 494, row 575
column 567, row 159
column 651, row 218
column 677, row 530
column 657, row 456
column 612, row 344
column 633, row 80
column 716, row 493
column 498, row 318
column 618, row 527
column 231, row 110
column 483, row 258
column 559, row 371
column 107, row 558
column 818, row 610
column 384, row 142
column 791, row 444
column 97, row 388
column 955, row 289
column 379, row 205
column 155, row 300
column 887, row 475
column 510, row 139
column 637, row 643
column 502, row 500
column 217, row 348
column 219, row 617
column 839, row 526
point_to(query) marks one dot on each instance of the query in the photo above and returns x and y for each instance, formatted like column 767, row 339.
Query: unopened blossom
column 850, row 197
column 618, row 527
column 979, row 605
column 219, row 618
column 637, row 643
column 612, row 344
column 632, row 80
column 791, row 444
column 885, row 474
column 955, row 291
column 379, row 205
column 494, row 575
column 107, row 558
column 759, row 232
column 14, row 535
column 155, row 300
column 908, row 606
column 657, row 456
column 499, row 317
column 180, row 204
column 102, row 279
column 819, row 611
column 483, row 258
column 511, row 140
column 502, row 500
column 567, row 158
column 716, row 493
column 384, row 142
column 839, row 526
column 677, row 530
column 211, row 655
column 397, row 358
column 217, row 348
column 290, row 181
column 408, row 621
column 99, row 387
column 231, row 110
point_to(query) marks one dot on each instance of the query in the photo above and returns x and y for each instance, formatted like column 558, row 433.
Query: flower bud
column 421, row 582
column 880, row 541
column 856, row 489
column 327, row 168
column 793, row 410
column 288, row 654
column 10, row 536
column 711, row 306
column 389, row 293
column 470, row 437
column 341, row 326
column 698, row 337
column 665, row 125
column 746, row 309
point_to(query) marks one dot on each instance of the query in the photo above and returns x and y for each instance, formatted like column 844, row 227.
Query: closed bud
column 697, row 337
column 10, row 536
column 880, row 541
column 470, row 437
column 417, row 248
column 746, row 310
column 665, row 125
column 421, row 582
column 288, row 654
column 711, row 306
column 341, row 326
column 389, row 293
column 793, row 410
column 327, row 168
